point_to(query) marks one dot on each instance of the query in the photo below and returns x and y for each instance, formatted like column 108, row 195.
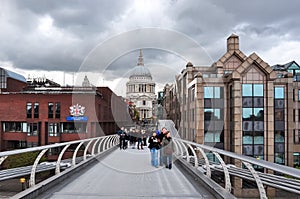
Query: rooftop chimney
column 233, row 42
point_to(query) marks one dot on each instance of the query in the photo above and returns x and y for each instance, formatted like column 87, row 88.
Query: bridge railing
column 93, row 147
column 273, row 175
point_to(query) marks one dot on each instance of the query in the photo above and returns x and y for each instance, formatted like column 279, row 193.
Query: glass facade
column 214, row 116
column 279, row 127
column 71, row 127
column 14, row 127
column 253, row 120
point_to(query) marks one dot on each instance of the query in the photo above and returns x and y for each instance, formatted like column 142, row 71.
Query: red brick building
column 41, row 112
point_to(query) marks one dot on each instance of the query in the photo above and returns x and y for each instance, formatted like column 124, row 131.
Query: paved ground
column 128, row 174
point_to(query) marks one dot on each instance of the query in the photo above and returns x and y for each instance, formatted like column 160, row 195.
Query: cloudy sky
column 65, row 40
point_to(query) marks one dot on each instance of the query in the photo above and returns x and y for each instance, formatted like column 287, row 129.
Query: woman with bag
column 167, row 145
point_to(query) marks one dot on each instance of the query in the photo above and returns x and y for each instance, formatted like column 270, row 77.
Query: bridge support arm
column 99, row 147
column 94, row 146
column 208, row 172
column 75, row 153
column 86, row 149
column 177, row 152
column 261, row 189
column 57, row 168
column 2, row 159
column 226, row 173
column 34, row 166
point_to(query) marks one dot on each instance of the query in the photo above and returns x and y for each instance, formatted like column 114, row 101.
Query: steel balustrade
column 2, row 159
column 261, row 179
column 109, row 142
column 57, row 168
column 259, row 183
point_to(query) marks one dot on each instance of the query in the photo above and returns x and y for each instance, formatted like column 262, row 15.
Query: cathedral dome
column 140, row 71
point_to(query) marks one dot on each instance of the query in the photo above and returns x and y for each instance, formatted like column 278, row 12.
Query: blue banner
column 77, row 118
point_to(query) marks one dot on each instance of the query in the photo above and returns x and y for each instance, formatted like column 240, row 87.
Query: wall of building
column 98, row 108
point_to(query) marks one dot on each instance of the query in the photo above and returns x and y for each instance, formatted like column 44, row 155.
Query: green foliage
column 23, row 159
column 136, row 115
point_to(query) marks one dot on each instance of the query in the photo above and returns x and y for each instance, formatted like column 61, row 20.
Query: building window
column 213, row 92
column 29, row 110
column 14, row 127
column 32, row 129
column 279, row 125
column 57, row 110
column 71, row 127
column 2, row 78
column 296, row 136
column 297, row 159
column 50, row 110
column 214, row 116
column 193, row 114
column 36, row 110
column 253, row 120
column 298, row 95
column 192, row 94
column 279, row 92
column 144, row 102
column 53, row 129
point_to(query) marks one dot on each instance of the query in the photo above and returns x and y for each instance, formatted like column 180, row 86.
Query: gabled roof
column 239, row 54
column 254, row 59
column 284, row 67
column 14, row 75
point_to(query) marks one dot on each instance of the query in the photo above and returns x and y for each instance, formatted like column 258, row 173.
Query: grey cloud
column 80, row 23
column 85, row 24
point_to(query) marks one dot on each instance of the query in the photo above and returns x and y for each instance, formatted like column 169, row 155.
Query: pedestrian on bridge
column 167, row 146
column 154, row 146
column 161, row 136
column 122, row 138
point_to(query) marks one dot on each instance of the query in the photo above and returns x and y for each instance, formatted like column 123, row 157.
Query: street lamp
column 22, row 181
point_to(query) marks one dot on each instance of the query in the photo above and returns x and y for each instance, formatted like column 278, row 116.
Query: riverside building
column 240, row 104
column 40, row 112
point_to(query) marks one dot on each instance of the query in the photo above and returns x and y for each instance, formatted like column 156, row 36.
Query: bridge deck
column 128, row 174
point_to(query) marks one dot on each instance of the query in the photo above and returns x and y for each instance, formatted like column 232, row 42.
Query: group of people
column 134, row 138
column 160, row 144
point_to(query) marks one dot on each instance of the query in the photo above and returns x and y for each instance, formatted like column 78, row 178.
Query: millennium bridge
column 97, row 168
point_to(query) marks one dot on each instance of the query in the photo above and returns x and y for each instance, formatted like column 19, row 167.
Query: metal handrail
column 110, row 141
column 258, row 177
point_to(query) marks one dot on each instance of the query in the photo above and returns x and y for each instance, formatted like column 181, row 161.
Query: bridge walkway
column 128, row 174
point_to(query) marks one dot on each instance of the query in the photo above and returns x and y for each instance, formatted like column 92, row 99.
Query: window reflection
column 253, row 119
column 279, row 93
column 258, row 90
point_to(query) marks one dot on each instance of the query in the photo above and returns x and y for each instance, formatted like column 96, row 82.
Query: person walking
column 161, row 136
column 122, row 135
column 154, row 146
column 167, row 146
